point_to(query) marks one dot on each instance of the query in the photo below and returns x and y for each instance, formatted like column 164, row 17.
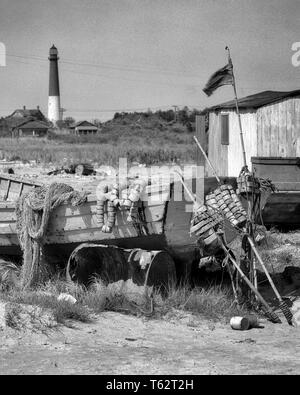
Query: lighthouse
column 54, row 110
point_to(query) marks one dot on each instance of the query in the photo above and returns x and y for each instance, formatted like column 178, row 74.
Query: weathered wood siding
column 202, row 138
column 235, row 154
column 228, row 159
column 217, row 153
column 278, row 129
column 272, row 130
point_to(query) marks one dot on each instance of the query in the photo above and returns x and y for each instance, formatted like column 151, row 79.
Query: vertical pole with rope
column 237, row 108
column 252, row 268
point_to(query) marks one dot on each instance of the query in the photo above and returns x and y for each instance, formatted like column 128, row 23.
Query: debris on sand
column 296, row 311
column 244, row 323
column 80, row 169
column 25, row 317
column 66, row 298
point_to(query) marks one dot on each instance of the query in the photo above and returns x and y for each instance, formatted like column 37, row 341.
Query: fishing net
column 33, row 211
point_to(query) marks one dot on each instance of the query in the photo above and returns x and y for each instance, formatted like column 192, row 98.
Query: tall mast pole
column 237, row 109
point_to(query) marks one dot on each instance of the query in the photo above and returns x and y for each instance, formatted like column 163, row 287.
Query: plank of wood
column 77, row 236
column 155, row 199
column 288, row 185
column 21, row 189
column 7, row 215
column 89, row 221
column 296, row 127
column 8, row 229
column 289, row 128
column 7, row 190
column 7, row 239
column 92, row 235
column 177, row 226
column 282, row 208
column 201, row 136
column 259, row 133
column 284, row 172
column 282, row 142
column 265, row 130
column 19, row 179
column 7, row 205
column 273, row 114
column 154, row 213
column 3, row 188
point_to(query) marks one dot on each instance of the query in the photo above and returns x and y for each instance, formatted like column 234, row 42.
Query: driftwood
column 84, row 169
column 81, row 169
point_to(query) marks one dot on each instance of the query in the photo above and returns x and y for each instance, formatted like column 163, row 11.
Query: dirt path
column 121, row 344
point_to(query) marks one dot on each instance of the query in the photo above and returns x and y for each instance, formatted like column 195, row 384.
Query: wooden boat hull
column 165, row 226
column 282, row 207
column 72, row 225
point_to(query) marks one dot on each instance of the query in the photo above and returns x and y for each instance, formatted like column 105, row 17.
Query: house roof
column 86, row 128
column 32, row 124
column 35, row 113
column 255, row 101
column 13, row 122
column 83, row 124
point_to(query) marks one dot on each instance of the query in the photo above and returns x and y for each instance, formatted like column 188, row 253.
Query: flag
column 224, row 76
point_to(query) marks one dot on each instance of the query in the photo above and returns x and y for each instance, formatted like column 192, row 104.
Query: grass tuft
column 61, row 310
column 214, row 303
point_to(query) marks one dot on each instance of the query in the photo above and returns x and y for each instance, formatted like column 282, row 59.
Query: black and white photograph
column 149, row 190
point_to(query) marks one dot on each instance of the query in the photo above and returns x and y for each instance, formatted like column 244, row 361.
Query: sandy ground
column 123, row 344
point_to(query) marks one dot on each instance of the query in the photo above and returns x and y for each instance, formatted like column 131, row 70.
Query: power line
column 107, row 77
column 130, row 79
column 275, row 83
column 113, row 66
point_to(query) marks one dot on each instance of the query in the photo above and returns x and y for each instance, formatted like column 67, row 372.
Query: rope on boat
column 33, row 211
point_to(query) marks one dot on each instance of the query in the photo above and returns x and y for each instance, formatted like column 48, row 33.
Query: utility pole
column 62, row 110
column 175, row 113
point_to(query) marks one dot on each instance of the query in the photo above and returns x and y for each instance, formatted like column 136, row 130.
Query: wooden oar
column 219, row 182
column 282, row 304
column 191, row 195
column 207, row 160
column 236, row 298
column 270, row 314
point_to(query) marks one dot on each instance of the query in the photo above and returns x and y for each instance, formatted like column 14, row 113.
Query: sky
column 118, row 55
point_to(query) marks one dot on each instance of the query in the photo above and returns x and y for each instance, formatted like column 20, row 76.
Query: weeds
column 61, row 310
column 9, row 274
column 214, row 303
column 151, row 146
column 13, row 315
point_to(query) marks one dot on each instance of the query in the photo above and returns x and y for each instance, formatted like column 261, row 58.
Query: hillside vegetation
column 139, row 137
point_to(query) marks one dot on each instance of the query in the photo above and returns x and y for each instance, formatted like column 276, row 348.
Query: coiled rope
column 33, row 211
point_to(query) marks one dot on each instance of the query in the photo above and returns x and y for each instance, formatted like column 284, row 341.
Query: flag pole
column 237, row 109
column 253, row 268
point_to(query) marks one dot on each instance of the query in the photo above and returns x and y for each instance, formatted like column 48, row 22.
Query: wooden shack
column 271, row 127
column 31, row 128
column 83, row 128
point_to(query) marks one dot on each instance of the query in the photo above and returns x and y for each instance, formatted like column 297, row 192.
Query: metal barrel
column 112, row 264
